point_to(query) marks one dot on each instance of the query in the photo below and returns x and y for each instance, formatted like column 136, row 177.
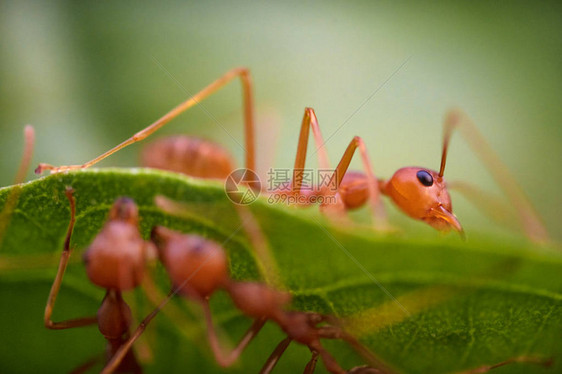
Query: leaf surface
column 437, row 306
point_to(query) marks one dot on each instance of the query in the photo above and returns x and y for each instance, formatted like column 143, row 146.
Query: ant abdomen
column 258, row 300
column 116, row 258
column 196, row 265
column 188, row 155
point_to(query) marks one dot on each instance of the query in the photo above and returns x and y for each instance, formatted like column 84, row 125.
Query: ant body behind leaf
column 116, row 260
column 197, row 268
column 420, row 193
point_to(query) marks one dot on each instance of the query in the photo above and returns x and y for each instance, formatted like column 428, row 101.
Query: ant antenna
column 529, row 219
column 446, row 138
column 29, row 134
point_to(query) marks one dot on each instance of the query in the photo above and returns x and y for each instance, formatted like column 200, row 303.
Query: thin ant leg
column 309, row 122
column 83, row 368
column 329, row 361
column 58, row 279
column 334, row 332
column 529, row 219
column 228, row 359
column 378, row 211
column 489, row 204
column 266, row 261
column 316, row 348
column 143, row 350
column 12, row 199
column 171, row 311
column 275, row 356
column 522, row 359
column 126, row 347
column 246, row 80
column 29, row 134
column 311, row 365
column 224, row 361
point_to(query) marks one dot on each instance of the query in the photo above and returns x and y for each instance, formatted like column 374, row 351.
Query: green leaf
column 422, row 306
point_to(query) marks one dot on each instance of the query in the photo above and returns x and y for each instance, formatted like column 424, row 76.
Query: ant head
column 116, row 258
column 194, row 264
column 422, row 194
column 258, row 300
column 125, row 209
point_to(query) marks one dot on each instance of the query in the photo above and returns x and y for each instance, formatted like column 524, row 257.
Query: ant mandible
column 115, row 270
column 197, row 268
column 420, row 193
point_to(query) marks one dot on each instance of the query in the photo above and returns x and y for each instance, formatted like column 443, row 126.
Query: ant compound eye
column 425, row 178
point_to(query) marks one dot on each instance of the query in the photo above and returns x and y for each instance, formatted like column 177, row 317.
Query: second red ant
column 198, row 268
column 116, row 260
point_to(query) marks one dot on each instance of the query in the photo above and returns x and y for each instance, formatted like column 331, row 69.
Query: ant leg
column 228, row 359
column 329, row 361
column 125, row 347
column 275, row 356
column 311, row 365
column 309, row 121
column 364, row 370
column 266, row 262
column 378, row 211
column 83, row 368
column 29, row 134
column 121, row 353
column 522, row 359
column 242, row 73
column 12, row 199
column 171, row 311
column 489, row 204
column 144, row 352
column 334, row 332
column 58, row 279
column 529, row 219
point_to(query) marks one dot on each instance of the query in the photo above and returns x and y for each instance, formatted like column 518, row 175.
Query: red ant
column 419, row 192
column 115, row 270
column 198, row 268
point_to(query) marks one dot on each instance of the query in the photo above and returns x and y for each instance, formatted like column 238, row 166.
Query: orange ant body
column 115, row 261
column 420, row 193
column 197, row 268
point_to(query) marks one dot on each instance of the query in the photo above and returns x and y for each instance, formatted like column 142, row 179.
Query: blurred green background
column 87, row 75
